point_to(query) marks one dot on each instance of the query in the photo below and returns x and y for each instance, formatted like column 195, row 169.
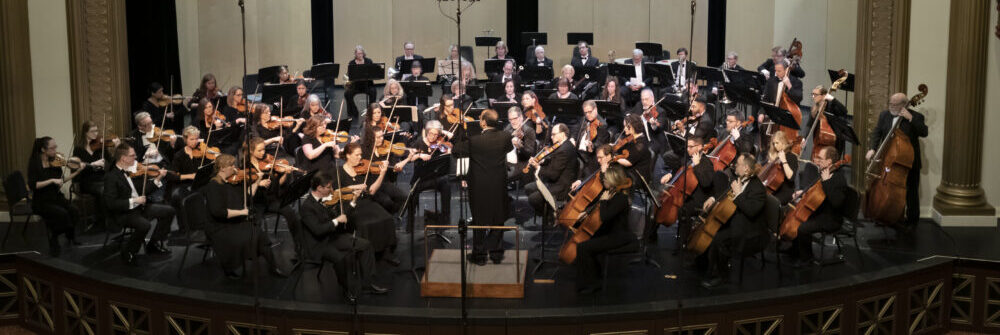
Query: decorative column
column 98, row 62
column 881, row 66
column 17, row 106
column 960, row 192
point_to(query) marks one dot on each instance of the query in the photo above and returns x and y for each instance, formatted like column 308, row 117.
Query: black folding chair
column 17, row 190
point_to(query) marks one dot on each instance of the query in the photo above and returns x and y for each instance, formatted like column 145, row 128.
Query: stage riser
column 43, row 304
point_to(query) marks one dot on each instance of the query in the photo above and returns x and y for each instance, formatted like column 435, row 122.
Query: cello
column 725, row 153
column 587, row 221
column 681, row 186
column 886, row 173
column 821, row 133
column 704, row 232
column 807, row 203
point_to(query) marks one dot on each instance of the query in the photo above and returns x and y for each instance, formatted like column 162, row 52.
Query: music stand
column 779, row 115
column 419, row 88
column 621, row 71
column 536, row 38
column 325, row 71
column 570, row 108
column 649, row 49
column 366, row 72
column 403, row 113
column 709, row 74
column 544, row 93
column 426, row 65
column 487, row 41
column 848, row 85
column 609, row 110
column 448, row 67
column 269, row 74
column 494, row 66
column 596, row 73
column 675, row 108
column 495, row 90
column 842, row 127
column 536, row 73
column 662, row 74
column 203, row 176
column 272, row 93
column 476, row 92
column 574, row 38
column 749, row 79
column 296, row 189
column 501, row 108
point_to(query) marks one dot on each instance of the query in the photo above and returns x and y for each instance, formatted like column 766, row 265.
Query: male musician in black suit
column 779, row 55
column 523, row 139
column 129, row 207
column 731, row 58
column 652, row 127
column 833, row 109
column 329, row 239
column 586, row 144
column 683, row 69
column 739, row 135
column 698, row 122
column 487, row 181
column 355, row 87
column 746, row 231
column 829, row 216
column 141, row 139
column 912, row 124
column 407, row 54
column 507, row 74
column 585, row 58
column 416, row 74
column 791, row 85
column 704, row 172
column 635, row 84
column 556, row 171
column 539, row 60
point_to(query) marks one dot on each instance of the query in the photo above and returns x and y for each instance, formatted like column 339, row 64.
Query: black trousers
column 344, row 252
column 390, row 197
column 139, row 219
column 803, row 242
column 60, row 216
column 179, row 191
column 588, row 251
column 441, row 185
column 487, row 240
column 366, row 88
column 913, row 197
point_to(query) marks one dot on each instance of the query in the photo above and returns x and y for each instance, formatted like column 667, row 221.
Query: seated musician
column 371, row 220
column 128, row 206
column 593, row 133
column 613, row 233
column 462, row 101
column 739, row 135
column 330, row 240
column 355, row 87
column 501, row 51
column 507, row 74
column 416, row 74
column 523, row 139
column 158, row 104
column 653, row 120
column 208, row 89
column 233, row 236
column 567, row 72
column 509, row 93
column 272, row 179
column 639, row 163
column 704, row 172
column 912, row 124
column 780, row 152
column 563, row 91
column 557, row 170
column 533, row 114
column 272, row 133
column 95, row 163
column 147, row 146
column 829, row 216
column 316, row 153
column 697, row 122
column 186, row 164
column 45, row 179
column 469, row 74
column 637, row 83
column 746, row 230
column 301, row 94
column 731, row 61
column 388, row 195
column 408, row 49
column 833, row 106
column 314, row 107
column 603, row 155
column 393, row 91
column 779, row 55
column 449, row 73
column 236, row 108
column 214, row 127
column 539, row 60
column 441, row 112
column 425, row 148
column 585, row 58
column 613, row 94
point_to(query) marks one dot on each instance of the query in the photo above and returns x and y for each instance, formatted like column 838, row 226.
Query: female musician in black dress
column 378, row 149
column 373, row 222
column 313, row 107
column 233, row 238
column 302, row 93
column 158, row 103
column 780, row 153
column 212, row 125
column 274, row 179
column 45, row 179
column 533, row 113
column 316, row 153
column 612, row 94
column 186, row 163
column 613, row 233
column 563, row 91
column 208, row 89
column 90, row 149
column 269, row 131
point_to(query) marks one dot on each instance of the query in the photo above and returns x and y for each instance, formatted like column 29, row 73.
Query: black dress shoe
column 588, row 289
column 232, row 275
column 476, row 259
column 129, row 258
column 375, row 289
column 277, row 272
column 714, row 282
column 496, row 257
column 155, row 248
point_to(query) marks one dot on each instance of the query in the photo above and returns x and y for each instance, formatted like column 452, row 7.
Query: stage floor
column 552, row 288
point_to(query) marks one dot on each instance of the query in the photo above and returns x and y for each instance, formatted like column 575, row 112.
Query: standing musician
column 430, row 146
column 158, row 104
column 234, row 238
column 533, row 114
column 780, row 152
column 329, row 238
column 373, row 222
column 147, row 146
column 557, row 169
column 355, row 87
column 683, row 70
column 731, row 61
column 129, row 206
column 593, row 133
column 408, row 48
column 833, row 106
column 389, row 196
column 317, row 154
column 215, row 128
column 539, row 60
column 829, row 216
column 273, row 175
column 584, row 58
column 45, row 179
column 912, row 124
column 208, row 89
column 522, row 137
column 563, row 91
column 270, row 129
column 746, row 229
column 487, row 182
column 639, row 162
column 613, row 233
column 95, row 162
column 791, row 86
column 637, row 83
column 779, row 55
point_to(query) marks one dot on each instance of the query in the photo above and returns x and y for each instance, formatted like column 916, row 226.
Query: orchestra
column 627, row 141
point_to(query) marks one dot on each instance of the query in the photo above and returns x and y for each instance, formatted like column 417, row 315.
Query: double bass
column 783, row 101
column 808, row 202
column 582, row 215
column 886, row 173
column 821, row 133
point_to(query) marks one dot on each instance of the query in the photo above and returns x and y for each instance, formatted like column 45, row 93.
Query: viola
column 149, row 170
column 807, row 203
column 274, row 122
column 397, row 149
column 60, row 161
column 621, row 143
column 164, row 135
column 342, row 194
column 542, row 155
column 592, row 128
column 203, row 150
column 165, row 101
column 279, row 166
column 582, row 215
column 329, row 136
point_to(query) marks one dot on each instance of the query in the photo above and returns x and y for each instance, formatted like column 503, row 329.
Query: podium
column 443, row 270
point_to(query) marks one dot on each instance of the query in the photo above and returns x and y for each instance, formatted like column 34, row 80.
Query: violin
column 203, row 150
column 165, row 101
column 60, row 161
column 329, row 136
column 342, row 194
column 397, row 149
column 243, row 175
column 621, row 143
column 388, row 126
column 241, row 106
column 104, row 141
column 441, row 145
column 163, row 135
column 279, row 166
column 366, row 167
column 592, row 128
column 149, row 170
column 274, row 122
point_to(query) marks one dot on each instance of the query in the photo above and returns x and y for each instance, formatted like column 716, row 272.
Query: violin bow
column 374, row 147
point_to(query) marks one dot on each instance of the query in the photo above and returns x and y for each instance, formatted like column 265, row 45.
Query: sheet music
column 546, row 194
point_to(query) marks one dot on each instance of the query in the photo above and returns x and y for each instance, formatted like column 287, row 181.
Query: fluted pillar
column 99, row 62
column 960, row 192
column 17, row 117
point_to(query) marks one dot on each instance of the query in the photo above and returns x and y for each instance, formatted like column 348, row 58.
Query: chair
column 195, row 210
column 852, row 205
column 85, row 202
column 772, row 216
column 17, row 190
